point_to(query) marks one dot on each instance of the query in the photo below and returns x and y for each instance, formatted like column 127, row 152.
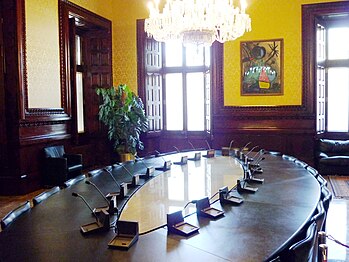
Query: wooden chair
column 44, row 195
column 14, row 214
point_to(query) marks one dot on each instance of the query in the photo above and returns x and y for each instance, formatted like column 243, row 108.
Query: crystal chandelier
column 199, row 22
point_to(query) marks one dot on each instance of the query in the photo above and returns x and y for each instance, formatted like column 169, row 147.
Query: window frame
column 214, row 53
column 310, row 13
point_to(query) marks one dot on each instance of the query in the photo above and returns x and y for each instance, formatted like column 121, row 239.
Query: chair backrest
column 45, row 195
column 54, row 151
column 322, row 181
column 312, row 171
column 326, row 197
column 301, row 163
column 319, row 217
column 14, row 214
column 304, row 249
column 74, row 180
column 290, row 158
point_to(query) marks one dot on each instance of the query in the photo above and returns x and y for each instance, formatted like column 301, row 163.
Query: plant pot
column 124, row 157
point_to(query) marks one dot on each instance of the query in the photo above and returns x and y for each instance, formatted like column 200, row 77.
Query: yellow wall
column 42, row 46
column 270, row 19
column 124, row 40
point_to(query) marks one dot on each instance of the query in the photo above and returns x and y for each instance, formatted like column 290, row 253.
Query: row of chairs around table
column 304, row 245
column 27, row 205
column 14, row 214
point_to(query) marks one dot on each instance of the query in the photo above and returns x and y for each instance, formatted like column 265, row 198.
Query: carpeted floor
column 339, row 186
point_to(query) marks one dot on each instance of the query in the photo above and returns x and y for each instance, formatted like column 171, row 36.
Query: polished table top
column 252, row 231
column 172, row 190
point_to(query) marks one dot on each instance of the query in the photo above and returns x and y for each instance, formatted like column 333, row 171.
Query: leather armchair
column 332, row 157
column 59, row 166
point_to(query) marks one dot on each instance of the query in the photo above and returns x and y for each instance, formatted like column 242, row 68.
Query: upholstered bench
column 332, row 157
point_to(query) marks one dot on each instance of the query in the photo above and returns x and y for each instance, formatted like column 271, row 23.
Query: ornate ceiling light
column 197, row 21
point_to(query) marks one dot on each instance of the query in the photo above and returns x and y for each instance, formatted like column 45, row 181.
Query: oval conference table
column 252, row 231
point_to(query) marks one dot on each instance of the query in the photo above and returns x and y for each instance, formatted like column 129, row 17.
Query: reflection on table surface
column 173, row 189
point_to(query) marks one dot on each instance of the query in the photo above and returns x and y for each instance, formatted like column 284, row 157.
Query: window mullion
column 184, row 81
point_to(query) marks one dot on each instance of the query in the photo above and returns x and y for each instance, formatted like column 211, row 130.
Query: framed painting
column 262, row 67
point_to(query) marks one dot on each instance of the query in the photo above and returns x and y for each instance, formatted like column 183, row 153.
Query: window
column 79, row 86
column 177, row 86
column 333, row 73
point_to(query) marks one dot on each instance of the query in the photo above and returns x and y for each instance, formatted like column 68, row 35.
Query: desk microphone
column 122, row 187
column 249, row 152
column 197, row 155
column 101, row 224
column 176, row 149
column 230, row 144
column 242, row 155
column 242, row 148
column 210, row 152
column 135, row 178
column 191, row 145
column 89, row 207
column 255, row 166
column 167, row 163
column 208, row 145
column 184, row 159
column 111, row 205
column 257, row 160
column 150, row 169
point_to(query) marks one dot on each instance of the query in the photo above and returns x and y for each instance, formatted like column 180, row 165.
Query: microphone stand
column 197, row 155
column 242, row 184
column 225, row 198
column 111, row 209
column 226, row 150
column 135, row 177
column 241, row 153
column 250, row 159
column 122, row 187
column 210, row 152
column 167, row 163
column 184, row 159
column 149, row 172
column 101, row 224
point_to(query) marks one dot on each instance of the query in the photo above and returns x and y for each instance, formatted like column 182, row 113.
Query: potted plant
column 122, row 111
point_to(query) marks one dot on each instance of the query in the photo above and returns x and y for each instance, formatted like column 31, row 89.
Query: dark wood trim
column 30, row 114
column 254, row 111
column 310, row 13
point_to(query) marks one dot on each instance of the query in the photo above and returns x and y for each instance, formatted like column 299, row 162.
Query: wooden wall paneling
column 10, row 171
column 3, row 140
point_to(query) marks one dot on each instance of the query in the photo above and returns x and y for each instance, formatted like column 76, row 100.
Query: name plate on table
column 203, row 208
column 149, row 173
column 184, row 161
column 225, row 151
column 196, row 157
column 167, row 166
column 128, row 233
column 210, row 153
column 177, row 225
column 225, row 198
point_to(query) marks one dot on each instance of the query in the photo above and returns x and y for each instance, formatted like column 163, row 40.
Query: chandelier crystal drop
column 199, row 22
